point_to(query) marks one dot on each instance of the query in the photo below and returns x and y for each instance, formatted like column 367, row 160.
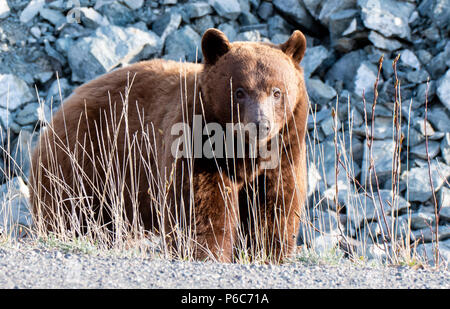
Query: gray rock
column 409, row 59
column 443, row 90
column 444, row 204
column 14, row 209
column 345, row 68
column 382, row 129
column 324, row 161
column 200, row 25
column 245, row 5
column 439, row 64
column 60, row 5
column 432, row 33
column 31, row 10
column 419, row 189
column 420, row 125
column 277, row 25
column 415, row 137
column 314, row 57
column 314, row 179
column 141, row 26
column 229, row 30
column 265, row 10
column 134, row 4
column 447, row 52
column 109, row 47
column 437, row 136
column 36, row 32
column 445, row 148
column 327, row 126
column 417, row 77
column 263, row 29
column 362, row 208
column 339, row 22
column 352, row 28
column 383, row 43
column 21, row 149
column 247, row 18
column 426, row 252
column 63, row 44
column 313, row 7
column 280, row 38
column 355, row 117
column 255, row 3
column 184, row 44
column 424, row 92
column 43, row 77
column 249, row 36
column 4, row 9
column 397, row 226
column 422, row 218
column 437, row 10
column 319, row 92
column 321, row 232
column 441, row 13
column 118, row 14
column 316, row 117
column 54, row 98
column 380, row 109
column 198, row 9
column 439, row 118
column 420, row 150
column 427, row 235
column 166, row 24
column 54, row 53
column 13, row 92
column 388, row 17
column 230, row 9
column 165, row 2
column 383, row 152
column 92, row 19
column 44, row 113
column 53, row 16
column 331, row 7
column 424, row 55
column 5, row 118
column 365, row 78
column 27, row 115
column 295, row 12
column 99, row 4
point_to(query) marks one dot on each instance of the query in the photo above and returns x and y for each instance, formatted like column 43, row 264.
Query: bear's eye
column 276, row 93
column 240, row 93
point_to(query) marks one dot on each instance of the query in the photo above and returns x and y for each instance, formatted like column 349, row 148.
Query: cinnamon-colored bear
column 114, row 155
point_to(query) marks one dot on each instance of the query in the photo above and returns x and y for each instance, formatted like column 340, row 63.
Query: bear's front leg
column 271, row 207
column 281, row 208
column 213, row 197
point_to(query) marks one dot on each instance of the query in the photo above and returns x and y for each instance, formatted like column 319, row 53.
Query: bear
column 110, row 157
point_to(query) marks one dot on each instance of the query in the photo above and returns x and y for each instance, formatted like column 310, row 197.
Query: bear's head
column 250, row 82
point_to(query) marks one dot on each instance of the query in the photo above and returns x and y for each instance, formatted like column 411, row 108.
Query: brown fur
column 223, row 196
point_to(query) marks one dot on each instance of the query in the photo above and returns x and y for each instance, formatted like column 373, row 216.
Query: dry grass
column 390, row 242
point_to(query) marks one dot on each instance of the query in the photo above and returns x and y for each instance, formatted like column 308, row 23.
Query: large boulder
column 388, row 17
column 13, row 92
column 109, row 47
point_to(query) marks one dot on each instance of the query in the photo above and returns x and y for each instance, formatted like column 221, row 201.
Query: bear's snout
column 263, row 126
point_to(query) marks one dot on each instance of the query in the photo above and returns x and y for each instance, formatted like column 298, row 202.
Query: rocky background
column 76, row 41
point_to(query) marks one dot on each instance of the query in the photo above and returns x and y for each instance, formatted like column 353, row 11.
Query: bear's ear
column 214, row 45
column 295, row 47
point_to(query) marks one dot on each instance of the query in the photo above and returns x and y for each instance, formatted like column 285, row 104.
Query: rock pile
column 41, row 41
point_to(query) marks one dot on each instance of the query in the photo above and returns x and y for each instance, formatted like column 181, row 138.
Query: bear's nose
column 263, row 127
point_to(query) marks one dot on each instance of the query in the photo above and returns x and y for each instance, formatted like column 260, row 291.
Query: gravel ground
column 28, row 267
